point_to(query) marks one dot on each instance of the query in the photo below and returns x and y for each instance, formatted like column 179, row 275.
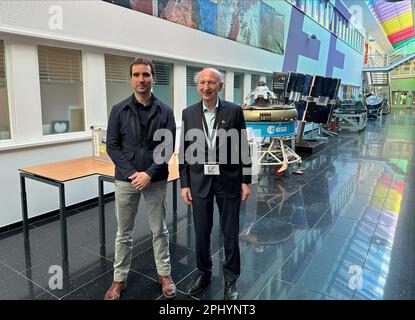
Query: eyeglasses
column 209, row 83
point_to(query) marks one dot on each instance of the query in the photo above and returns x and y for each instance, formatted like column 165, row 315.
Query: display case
column 99, row 144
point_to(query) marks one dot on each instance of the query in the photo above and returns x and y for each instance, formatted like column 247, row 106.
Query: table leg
column 101, row 209
column 62, row 213
column 175, row 196
column 23, row 199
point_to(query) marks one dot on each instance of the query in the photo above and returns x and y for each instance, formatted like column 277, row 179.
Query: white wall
column 25, row 25
column 352, row 71
column 128, row 30
column 41, row 197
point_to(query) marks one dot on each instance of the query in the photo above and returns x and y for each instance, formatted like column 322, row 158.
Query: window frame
column 85, row 102
column 109, row 53
column 8, row 84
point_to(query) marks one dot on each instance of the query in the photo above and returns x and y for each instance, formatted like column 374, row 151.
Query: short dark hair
column 146, row 63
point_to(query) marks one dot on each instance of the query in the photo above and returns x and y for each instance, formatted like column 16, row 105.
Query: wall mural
column 184, row 12
column 250, row 22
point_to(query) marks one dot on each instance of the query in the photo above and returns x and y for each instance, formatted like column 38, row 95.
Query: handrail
column 401, row 52
column 385, row 60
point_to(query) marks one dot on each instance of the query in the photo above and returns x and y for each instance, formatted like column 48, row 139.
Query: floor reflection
column 342, row 230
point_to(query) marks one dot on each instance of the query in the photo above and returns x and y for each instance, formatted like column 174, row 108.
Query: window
column 407, row 67
column 238, row 88
column 191, row 89
column 254, row 81
column 395, row 95
column 61, row 90
column 269, row 83
column 309, row 8
column 322, row 12
column 4, row 107
column 163, row 85
column 222, row 93
column 316, row 9
column 117, row 77
column 302, row 5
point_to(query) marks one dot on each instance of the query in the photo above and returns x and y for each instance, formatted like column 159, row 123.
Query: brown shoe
column 167, row 286
column 114, row 292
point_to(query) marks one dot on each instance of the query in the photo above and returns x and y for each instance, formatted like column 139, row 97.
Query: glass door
column 395, row 97
column 403, row 98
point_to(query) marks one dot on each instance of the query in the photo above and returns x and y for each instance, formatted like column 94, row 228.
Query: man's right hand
column 133, row 176
column 186, row 195
column 140, row 180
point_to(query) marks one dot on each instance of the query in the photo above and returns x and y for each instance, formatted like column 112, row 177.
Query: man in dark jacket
column 141, row 169
column 220, row 169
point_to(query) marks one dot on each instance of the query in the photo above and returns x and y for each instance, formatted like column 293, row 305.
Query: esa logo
column 274, row 129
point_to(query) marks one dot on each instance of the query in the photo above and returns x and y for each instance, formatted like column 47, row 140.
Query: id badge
column 211, row 169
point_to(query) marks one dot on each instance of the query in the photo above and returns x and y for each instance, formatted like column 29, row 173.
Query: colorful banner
column 144, row 6
column 184, row 12
column 250, row 22
column 271, row 20
column 208, row 13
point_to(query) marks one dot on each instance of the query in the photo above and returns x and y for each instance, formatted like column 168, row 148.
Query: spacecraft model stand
column 274, row 152
column 307, row 145
column 274, row 123
column 352, row 121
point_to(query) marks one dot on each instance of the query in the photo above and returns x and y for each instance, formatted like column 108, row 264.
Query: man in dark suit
column 215, row 164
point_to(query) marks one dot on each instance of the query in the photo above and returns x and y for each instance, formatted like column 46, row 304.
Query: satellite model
column 274, row 123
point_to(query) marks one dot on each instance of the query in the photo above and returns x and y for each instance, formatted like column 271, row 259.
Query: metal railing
column 384, row 60
column 401, row 52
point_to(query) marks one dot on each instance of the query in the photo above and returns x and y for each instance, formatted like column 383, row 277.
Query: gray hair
column 215, row 71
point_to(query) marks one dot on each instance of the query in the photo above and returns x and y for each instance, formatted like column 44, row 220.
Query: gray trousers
column 127, row 200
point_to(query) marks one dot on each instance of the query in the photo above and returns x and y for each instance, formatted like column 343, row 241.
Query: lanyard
column 211, row 138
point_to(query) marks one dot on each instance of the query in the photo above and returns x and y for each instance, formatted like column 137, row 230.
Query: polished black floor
column 344, row 229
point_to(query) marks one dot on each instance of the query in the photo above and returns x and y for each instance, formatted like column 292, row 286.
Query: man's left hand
column 141, row 181
column 244, row 191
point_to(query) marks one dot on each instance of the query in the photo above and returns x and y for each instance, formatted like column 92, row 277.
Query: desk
column 57, row 173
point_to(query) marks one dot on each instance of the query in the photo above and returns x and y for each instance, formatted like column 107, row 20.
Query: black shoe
column 197, row 285
column 231, row 292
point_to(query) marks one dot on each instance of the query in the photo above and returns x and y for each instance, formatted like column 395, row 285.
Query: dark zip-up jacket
column 126, row 146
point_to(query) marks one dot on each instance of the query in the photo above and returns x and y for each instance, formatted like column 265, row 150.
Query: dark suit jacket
column 128, row 149
column 230, row 117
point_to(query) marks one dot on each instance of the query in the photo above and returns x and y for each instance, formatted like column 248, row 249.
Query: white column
column 263, row 77
column 229, row 78
column 247, row 84
column 24, row 86
column 180, row 92
column 95, row 93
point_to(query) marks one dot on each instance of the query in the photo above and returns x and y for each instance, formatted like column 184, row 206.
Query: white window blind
column 269, row 82
column 58, row 64
column 237, row 80
column 164, row 73
column 254, row 81
column 117, row 68
column 190, row 75
column 2, row 65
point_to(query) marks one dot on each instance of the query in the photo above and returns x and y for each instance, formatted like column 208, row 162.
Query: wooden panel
column 77, row 168
column 71, row 169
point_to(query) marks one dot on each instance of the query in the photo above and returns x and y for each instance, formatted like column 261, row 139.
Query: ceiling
column 395, row 18
column 364, row 20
